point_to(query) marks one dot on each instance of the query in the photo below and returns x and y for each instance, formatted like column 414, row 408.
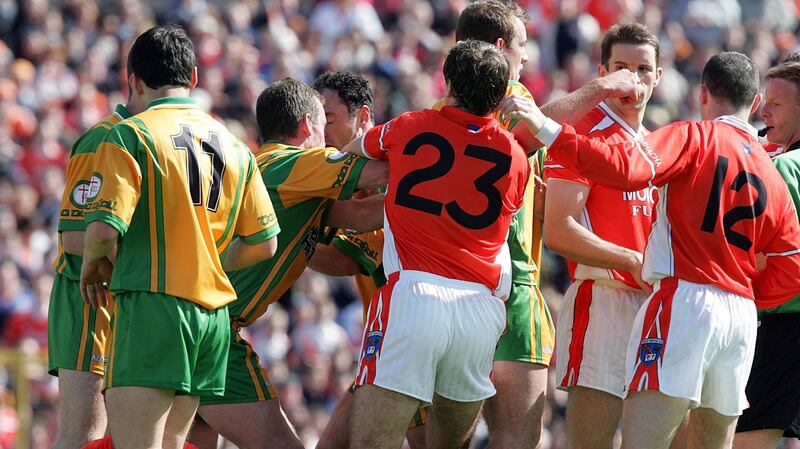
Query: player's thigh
column 137, row 416
column 252, row 425
column 336, row 433
column 167, row 359
column 517, row 408
column 380, row 417
column 592, row 418
column 202, row 435
column 450, row 423
column 180, row 418
column 76, row 332
column 708, row 429
column 650, row 419
column 757, row 439
column 529, row 335
column 594, row 329
column 81, row 410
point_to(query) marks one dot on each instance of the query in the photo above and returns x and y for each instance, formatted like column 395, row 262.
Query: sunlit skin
column 317, row 127
column 516, row 51
column 640, row 59
column 340, row 126
column 781, row 112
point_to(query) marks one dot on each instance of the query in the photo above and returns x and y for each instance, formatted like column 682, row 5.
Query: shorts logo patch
column 650, row 350
column 372, row 348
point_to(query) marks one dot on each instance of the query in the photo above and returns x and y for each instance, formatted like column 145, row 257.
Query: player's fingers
column 84, row 292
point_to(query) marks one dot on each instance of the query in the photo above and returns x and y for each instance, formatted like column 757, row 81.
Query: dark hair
column 731, row 77
column 627, row 33
column 792, row 57
column 163, row 56
column 353, row 88
column 488, row 20
column 478, row 75
column 281, row 107
column 787, row 71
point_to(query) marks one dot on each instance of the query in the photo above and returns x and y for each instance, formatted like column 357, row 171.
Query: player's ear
column 756, row 103
column 501, row 43
column 365, row 114
column 704, row 94
column 659, row 72
column 137, row 84
column 305, row 126
column 193, row 82
column 601, row 70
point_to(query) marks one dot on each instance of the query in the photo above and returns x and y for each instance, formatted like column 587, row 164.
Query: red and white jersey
column 620, row 217
column 455, row 181
column 773, row 149
column 721, row 201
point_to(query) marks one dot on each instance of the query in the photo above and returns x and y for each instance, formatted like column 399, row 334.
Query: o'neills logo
column 102, row 204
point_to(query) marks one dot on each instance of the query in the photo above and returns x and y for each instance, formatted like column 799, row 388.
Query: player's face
column 340, row 127
column 515, row 50
column 782, row 112
column 640, row 59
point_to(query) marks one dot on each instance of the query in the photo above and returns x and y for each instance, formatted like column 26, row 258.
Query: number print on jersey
column 483, row 184
column 735, row 214
column 184, row 141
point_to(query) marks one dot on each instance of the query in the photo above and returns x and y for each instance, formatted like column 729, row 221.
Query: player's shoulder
column 517, row 88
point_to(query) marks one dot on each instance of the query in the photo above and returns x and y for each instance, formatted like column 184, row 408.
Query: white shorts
column 426, row 333
column 696, row 342
column 592, row 334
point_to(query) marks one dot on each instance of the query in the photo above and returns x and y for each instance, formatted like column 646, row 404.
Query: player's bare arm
column 241, row 255
column 570, row 108
column 566, row 236
column 72, row 242
column 98, row 245
column 330, row 260
column 362, row 215
column 374, row 174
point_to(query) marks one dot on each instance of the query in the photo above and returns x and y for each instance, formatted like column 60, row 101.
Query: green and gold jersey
column 525, row 235
column 178, row 186
column 367, row 250
column 302, row 184
column 81, row 188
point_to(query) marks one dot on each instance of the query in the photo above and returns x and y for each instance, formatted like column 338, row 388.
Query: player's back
column 723, row 203
column 454, row 184
column 194, row 174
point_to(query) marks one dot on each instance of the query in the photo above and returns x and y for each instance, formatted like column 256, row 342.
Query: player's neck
column 631, row 118
column 166, row 91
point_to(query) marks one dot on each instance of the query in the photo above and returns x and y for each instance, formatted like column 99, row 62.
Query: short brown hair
column 489, row 20
column 627, row 33
column 477, row 73
column 787, row 71
column 281, row 107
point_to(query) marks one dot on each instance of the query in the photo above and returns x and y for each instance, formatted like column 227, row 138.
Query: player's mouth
column 763, row 131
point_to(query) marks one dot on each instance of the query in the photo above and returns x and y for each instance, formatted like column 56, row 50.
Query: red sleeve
column 554, row 170
column 777, row 282
column 376, row 142
column 628, row 165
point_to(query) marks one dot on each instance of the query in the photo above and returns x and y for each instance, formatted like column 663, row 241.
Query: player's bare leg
column 416, row 437
column 202, row 435
column 179, row 421
column 650, row 419
column 758, row 439
column 137, row 416
column 380, row 418
column 708, row 429
column 252, row 425
column 514, row 414
column 681, row 439
column 336, row 434
column 81, row 411
column 592, row 418
column 450, row 423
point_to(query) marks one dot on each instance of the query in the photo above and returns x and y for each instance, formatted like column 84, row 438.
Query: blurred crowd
column 62, row 67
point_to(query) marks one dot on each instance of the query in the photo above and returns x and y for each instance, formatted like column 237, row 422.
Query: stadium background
column 61, row 69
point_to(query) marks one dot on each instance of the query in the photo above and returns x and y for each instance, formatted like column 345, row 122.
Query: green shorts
column 529, row 335
column 245, row 379
column 76, row 333
column 160, row 341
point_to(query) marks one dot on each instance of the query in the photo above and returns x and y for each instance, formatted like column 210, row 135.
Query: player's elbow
column 101, row 233
column 72, row 242
column 269, row 248
column 555, row 238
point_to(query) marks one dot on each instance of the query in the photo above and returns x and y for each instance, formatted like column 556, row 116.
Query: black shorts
column 773, row 388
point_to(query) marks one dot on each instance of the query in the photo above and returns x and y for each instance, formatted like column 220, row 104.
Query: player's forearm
column 72, row 242
column 375, row 174
column 99, row 240
column 241, row 255
column 362, row 215
column 576, row 243
column 328, row 259
column 573, row 106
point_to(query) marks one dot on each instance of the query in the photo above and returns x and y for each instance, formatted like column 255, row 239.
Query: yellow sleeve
column 118, row 177
column 80, row 189
column 257, row 221
column 319, row 173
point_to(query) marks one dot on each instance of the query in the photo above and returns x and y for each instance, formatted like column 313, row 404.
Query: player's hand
column 515, row 107
column 622, row 84
column 93, row 287
column 761, row 261
column 636, row 271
